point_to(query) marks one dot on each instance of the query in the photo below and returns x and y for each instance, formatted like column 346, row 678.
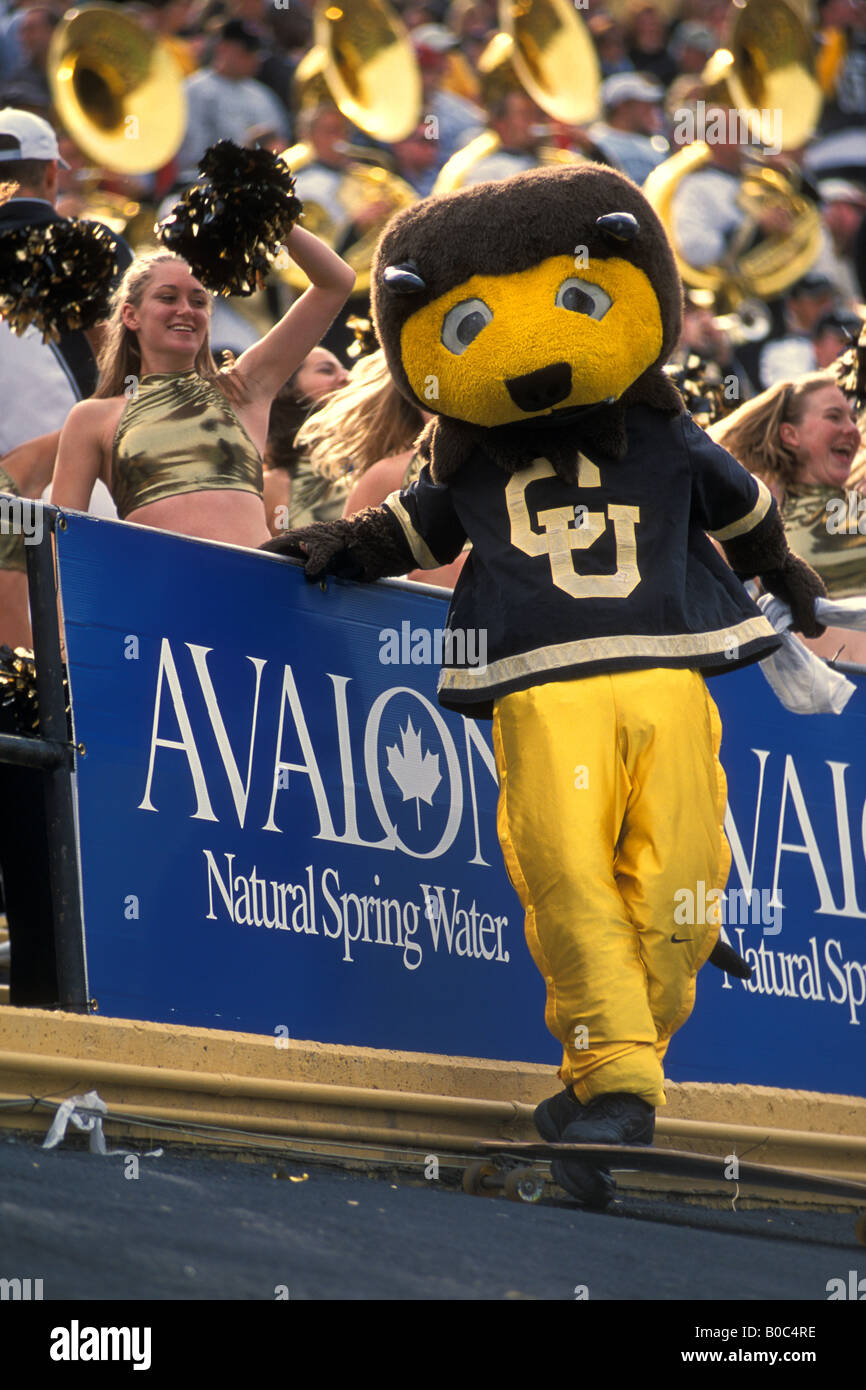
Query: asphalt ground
column 192, row 1229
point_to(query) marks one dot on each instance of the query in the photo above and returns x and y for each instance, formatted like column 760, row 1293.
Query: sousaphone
column 765, row 74
column 544, row 48
column 117, row 90
column 364, row 62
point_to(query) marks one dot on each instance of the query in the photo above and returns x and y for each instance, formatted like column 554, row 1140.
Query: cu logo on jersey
column 567, row 529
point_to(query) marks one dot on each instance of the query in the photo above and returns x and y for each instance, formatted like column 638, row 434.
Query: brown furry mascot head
column 549, row 300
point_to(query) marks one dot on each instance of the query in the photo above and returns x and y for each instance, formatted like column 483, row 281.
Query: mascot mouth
column 542, row 389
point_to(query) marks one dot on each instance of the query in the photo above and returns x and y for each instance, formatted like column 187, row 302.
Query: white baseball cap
column 629, row 86
column 25, row 136
column 434, row 36
column 842, row 191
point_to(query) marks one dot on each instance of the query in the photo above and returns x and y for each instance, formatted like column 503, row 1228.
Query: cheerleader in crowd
column 802, row 438
column 319, row 375
column 356, row 449
column 348, row 432
column 179, row 442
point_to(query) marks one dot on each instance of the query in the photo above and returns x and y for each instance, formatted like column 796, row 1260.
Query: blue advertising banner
column 281, row 832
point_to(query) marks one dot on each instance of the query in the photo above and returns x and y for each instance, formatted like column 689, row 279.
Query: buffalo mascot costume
column 533, row 316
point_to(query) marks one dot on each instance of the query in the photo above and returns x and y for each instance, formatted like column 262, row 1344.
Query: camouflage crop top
column 179, row 434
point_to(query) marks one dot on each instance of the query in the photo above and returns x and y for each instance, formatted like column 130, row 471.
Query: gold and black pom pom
column 232, row 222
column 365, row 337
column 19, row 704
column 58, row 277
column 851, row 370
column 18, row 701
column 700, row 384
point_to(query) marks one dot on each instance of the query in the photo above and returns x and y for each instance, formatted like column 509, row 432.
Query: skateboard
column 509, row 1168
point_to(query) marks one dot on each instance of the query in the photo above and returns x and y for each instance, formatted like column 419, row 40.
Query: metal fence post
column 59, row 808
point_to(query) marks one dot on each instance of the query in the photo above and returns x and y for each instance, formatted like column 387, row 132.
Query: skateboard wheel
column 479, row 1179
column 860, row 1228
column 523, row 1185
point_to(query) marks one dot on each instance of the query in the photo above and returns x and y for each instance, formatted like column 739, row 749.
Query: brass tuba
column 364, row 62
column 767, row 71
column 545, row 48
column 117, row 90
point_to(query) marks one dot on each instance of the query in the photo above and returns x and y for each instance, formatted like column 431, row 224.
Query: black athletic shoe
column 592, row 1187
column 614, row 1118
column 553, row 1115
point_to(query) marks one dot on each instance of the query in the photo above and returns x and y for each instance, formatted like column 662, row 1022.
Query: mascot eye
column 583, row 297
column 463, row 323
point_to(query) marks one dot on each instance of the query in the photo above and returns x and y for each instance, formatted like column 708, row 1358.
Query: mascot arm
column 414, row 529
column 368, row 546
column 764, row 552
column 738, row 510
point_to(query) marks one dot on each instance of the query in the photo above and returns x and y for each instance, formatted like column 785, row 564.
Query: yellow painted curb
column 348, row 1096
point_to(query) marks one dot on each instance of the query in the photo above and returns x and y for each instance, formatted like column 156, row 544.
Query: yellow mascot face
column 569, row 331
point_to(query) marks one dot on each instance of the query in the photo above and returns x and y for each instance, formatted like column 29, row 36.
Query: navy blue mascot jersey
column 612, row 572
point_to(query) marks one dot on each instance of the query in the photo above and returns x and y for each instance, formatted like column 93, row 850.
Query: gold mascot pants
column 612, row 801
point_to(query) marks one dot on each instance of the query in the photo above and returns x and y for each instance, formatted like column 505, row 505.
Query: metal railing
column 51, row 753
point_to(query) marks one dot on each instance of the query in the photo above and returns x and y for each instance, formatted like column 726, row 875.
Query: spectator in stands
column 168, row 21
column 703, row 337
column 630, row 136
column 457, row 121
column 843, row 213
column 788, row 351
column 325, row 129
column 834, row 333
column 609, row 39
column 225, row 101
column 708, row 219
column 274, row 70
column 802, row 438
column 839, row 150
column 691, row 45
column 417, row 159
column 646, row 37
column 522, row 128
column 322, row 187
column 33, row 33
column 474, row 24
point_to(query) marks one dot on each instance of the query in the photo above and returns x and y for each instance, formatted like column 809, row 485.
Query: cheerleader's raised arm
column 266, row 365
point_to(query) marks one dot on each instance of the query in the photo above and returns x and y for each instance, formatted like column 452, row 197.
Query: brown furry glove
column 797, row 584
column 368, row 546
column 764, row 553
